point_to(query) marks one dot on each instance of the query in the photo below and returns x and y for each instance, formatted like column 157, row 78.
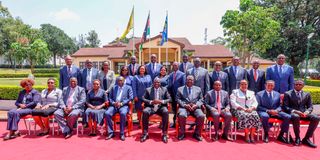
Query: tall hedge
column 313, row 83
column 25, row 75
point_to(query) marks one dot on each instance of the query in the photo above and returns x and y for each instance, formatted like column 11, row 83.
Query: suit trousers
column 67, row 124
column 182, row 116
column 14, row 116
column 227, row 116
column 111, row 111
column 162, row 111
column 264, row 116
column 312, row 118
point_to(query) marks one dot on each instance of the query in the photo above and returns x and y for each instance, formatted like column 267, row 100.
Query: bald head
column 68, row 60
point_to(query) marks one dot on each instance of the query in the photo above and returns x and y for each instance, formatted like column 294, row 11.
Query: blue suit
column 258, row 85
column 136, row 66
column 83, row 78
column 265, row 104
column 235, row 78
column 153, row 74
column 223, row 78
column 125, row 98
column 283, row 82
column 139, row 86
column 64, row 80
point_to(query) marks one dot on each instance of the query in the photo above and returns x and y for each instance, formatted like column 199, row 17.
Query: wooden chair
column 188, row 119
column 116, row 119
column 154, row 118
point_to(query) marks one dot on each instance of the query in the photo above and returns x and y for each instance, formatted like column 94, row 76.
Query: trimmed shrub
column 12, row 92
column 47, row 70
column 313, row 83
column 25, row 75
column 315, row 95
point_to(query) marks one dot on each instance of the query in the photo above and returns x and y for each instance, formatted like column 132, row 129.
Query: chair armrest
column 169, row 107
column 130, row 104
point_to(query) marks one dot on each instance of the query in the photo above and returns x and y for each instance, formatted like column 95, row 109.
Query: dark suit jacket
column 189, row 66
column 224, row 78
column 210, row 99
column 283, row 82
column 150, row 69
column 65, row 77
column 126, row 96
column 291, row 102
column 234, row 80
column 184, row 98
column 179, row 81
column 83, row 75
column 258, row 85
column 149, row 95
column 32, row 99
column 136, row 66
column 265, row 104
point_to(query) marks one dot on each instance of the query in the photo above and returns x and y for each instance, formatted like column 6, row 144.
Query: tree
column 59, row 43
column 81, row 41
column 219, row 40
column 251, row 30
column 92, row 39
column 298, row 18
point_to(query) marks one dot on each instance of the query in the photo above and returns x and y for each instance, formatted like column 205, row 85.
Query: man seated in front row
column 217, row 104
column 71, row 106
column 299, row 104
column 189, row 98
column 269, row 106
column 156, row 99
column 119, row 98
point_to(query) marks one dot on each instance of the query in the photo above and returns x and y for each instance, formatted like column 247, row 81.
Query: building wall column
column 179, row 54
column 159, row 55
column 208, row 61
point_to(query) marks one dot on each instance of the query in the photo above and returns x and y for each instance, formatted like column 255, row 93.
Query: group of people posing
column 250, row 96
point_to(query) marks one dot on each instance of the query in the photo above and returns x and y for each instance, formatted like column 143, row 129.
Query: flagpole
column 149, row 36
column 167, row 42
column 133, row 33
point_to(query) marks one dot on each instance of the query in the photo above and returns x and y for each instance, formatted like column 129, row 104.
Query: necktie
column 154, row 67
column 218, row 76
column 218, row 102
column 105, row 83
column 255, row 75
column 70, row 98
column 156, row 96
column 270, row 98
column 174, row 76
column 185, row 67
column 133, row 71
column 69, row 70
column 119, row 94
column 235, row 70
column 299, row 97
column 196, row 73
column 280, row 70
column 189, row 92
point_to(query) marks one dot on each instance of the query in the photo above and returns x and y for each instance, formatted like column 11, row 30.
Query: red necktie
column 218, row 102
column 255, row 75
column 133, row 70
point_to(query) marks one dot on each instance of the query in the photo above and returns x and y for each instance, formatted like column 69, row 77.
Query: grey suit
column 184, row 67
column 83, row 80
column 151, row 109
column 211, row 105
column 78, row 100
column 183, row 98
column 293, row 102
column 235, row 78
column 201, row 80
column 259, row 84
column 65, row 76
column 107, row 81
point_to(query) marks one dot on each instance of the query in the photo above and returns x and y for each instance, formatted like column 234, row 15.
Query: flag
column 146, row 31
column 129, row 26
column 164, row 33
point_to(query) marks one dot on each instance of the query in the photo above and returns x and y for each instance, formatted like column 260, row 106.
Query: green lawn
column 16, row 81
column 5, row 70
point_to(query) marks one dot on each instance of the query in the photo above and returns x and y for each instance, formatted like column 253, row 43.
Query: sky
column 186, row 18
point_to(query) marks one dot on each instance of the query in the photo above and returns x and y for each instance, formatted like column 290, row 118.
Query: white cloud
column 65, row 15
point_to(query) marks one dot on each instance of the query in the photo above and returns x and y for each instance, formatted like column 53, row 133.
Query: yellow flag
column 129, row 26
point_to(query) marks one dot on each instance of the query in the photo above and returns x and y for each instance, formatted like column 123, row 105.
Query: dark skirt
column 44, row 112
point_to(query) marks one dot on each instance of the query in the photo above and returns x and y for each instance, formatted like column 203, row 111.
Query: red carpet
column 84, row 147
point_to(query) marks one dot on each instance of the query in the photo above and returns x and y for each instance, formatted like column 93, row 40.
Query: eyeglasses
column 50, row 82
column 298, row 84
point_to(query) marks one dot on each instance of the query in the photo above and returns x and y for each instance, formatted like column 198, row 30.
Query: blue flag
column 164, row 33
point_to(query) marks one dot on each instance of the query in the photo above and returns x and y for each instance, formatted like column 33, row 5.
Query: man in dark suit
column 190, row 100
column 201, row 76
column 133, row 66
column 153, row 68
column 281, row 74
column 156, row 99
column 235, row 73
column 256, row 78
column 185, row 65
column 68, row 71
column 176, row 79
column 217, row 104
column 269, row 106
column 219, row 75
column 88, row 75
column 119, row 98
column 70, row 106
column 299, row 104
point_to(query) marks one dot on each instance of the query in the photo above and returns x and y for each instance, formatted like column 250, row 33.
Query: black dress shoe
column 282, row 139
column 123, row 138
column 165, row 139
column 8, row 137
column 266, row 139
column 197, row 137
column 110, row 136
column 144, row 137
column 308, row 143
column 181, row 137
column 215, row 137
column 225, row 137
column 68, row 135
column 297, row 142
column 191, row 127
column 92, row 134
